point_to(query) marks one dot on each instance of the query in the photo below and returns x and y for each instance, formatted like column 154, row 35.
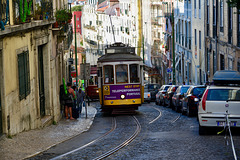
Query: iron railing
column 4, row 13
column 40, row 11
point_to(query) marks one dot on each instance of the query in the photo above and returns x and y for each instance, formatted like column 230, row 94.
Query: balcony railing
column 4, row 13
column 23, row 14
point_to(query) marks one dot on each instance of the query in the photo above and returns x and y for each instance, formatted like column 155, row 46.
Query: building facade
column 198, row 43
column 32, row 65
column 222, row 37
column 183, row 50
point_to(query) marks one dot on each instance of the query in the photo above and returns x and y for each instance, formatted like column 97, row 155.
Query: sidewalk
column 29, row 143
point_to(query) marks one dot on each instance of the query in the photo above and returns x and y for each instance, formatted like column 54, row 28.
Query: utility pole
column 76, row 50
column 173, row 46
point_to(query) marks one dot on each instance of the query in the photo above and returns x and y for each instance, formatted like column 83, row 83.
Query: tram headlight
column 97, row 91
column 122, row 96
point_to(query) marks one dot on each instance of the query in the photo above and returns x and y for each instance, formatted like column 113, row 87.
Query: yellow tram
column 120, row 77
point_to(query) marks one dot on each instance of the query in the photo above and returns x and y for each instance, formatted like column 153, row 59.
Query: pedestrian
column 190, row 82
column 80, row 99
column 69, row 101
column 75, row 98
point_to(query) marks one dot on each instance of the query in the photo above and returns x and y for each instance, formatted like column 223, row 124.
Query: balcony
column 90, row 41
column 33, row 17
column 90, row 27
column 4, row 13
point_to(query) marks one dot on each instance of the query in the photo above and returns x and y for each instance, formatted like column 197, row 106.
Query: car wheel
column 189, row 112
column 202, row 130
column 159, row 103
column 182, row 110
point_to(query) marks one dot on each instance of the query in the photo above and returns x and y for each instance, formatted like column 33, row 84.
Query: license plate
column 222, row 123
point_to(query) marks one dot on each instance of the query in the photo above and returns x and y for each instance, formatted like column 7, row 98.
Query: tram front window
column 122, row 73
column 108, row 74
column 134, row 78
column 91, row 81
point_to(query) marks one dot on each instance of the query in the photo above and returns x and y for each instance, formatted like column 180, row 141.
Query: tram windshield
column 108, row 74
column 134, row 76
column 122, row 73
column 93, row 80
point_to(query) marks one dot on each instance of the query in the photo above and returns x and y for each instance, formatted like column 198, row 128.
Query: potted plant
column 63, row 16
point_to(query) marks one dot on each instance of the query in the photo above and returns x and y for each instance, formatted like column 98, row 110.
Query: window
column 230, row 24
column 222, row 67
column 200, row 43
column 230, row 63
column 214, row 64
column 195, row 31
column 23, row 75
column 195, row 8
column 134, row 77
column 238, row 64
column 122, row 73
column 214, row 13
column 207, row 11
column 108, row 74
column 238, row 26
column 221, row 16
column 199, row 11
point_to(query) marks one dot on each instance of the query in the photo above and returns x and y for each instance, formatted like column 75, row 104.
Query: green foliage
column 234, row 3
column 63, row 15
column 54, row 123
column 76, row 8
column 9, row 136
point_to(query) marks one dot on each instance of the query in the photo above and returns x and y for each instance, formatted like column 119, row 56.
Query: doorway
column 41, row 81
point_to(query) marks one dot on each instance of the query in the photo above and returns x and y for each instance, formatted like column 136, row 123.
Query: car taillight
column 148, row 95
column 192, row 97
column 204, row 100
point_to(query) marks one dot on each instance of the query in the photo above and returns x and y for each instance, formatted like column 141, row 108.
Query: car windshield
column 166, row 88
column 223, row 94
column 198, row 91
column 151, row 87
column 184, row 89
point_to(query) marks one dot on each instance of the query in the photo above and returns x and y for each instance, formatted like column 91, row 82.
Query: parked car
column 170, row 92
column 176, row 99
column 161, row 93
column 191, row 99
column 221, row 101
column 152, row 89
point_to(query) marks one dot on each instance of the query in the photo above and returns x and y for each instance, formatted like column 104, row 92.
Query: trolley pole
column 76, row 50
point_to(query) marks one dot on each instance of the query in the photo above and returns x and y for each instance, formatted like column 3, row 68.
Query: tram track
column 123, row 144
column 160, row 114
column 173, row 121
column 114, row 126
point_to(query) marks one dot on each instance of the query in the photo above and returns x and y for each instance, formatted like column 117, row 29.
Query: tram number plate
column 222, row 123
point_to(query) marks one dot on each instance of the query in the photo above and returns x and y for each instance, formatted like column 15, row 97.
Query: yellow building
column 32, row 65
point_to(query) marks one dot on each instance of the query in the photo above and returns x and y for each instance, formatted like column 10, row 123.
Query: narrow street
column 164, row 134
